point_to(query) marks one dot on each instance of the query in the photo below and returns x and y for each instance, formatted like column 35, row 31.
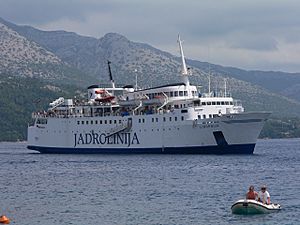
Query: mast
column 110, row 74
column 184, row 71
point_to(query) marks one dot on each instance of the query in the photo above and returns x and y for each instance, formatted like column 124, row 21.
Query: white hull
column 214, row 134
column 253, row 207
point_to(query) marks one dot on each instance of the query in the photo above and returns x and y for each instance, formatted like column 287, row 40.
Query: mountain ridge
column 154, row 67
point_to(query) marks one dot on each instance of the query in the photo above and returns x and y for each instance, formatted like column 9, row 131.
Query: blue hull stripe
column 228, row 149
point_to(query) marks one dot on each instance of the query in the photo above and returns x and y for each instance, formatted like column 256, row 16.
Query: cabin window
column 171, row 94
column 100, row 121
column 197, row 103
column 164, row 119
column 175, row 93
column 78, row 122
column 213, row 103
column 182, row 118
column 170, row 119
column 86, row 122
column 226, row 103
column 222, row 103
column 82, row 122
column 96, row 121
column 152, row 120
column 231, row 103
column 115, row 121
column 105, row 121
column 120, row 121
column 110, row 121
column 139, row 120
column 92, row 121
column 185, row 93
column 199, row 116
column 204, row 116
column 175, row 118
column 218, row 103
column 176, row 106
column 156, row 119
column 184, row 111
column 208, row 103
column 143, row 120
column 180, row 93
column 203, row 103
column 210, row 116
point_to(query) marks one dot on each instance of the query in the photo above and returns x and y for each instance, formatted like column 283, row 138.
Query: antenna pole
column 225, row 88
column 136, row 79
column 209, row 79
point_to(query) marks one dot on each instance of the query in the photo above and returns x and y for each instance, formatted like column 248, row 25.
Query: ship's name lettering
column 95, row 138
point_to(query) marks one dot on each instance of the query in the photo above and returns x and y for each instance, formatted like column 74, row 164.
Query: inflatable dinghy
column 247, row 206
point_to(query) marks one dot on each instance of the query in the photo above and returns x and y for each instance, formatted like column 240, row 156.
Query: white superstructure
column 173, row 118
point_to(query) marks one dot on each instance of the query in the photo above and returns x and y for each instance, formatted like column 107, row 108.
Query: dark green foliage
column 22, row 96
column 281, row 128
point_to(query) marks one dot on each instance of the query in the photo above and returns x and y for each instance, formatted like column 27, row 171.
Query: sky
column 252, row 35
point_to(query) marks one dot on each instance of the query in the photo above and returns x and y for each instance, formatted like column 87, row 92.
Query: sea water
column 147, row 189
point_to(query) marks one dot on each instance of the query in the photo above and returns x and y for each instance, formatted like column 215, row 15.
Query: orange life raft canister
column 4, row 220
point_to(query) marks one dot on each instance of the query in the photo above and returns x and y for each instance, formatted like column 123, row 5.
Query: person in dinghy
column 251, row 194
column 264, row 196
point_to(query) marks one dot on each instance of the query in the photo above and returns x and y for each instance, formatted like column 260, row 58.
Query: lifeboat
column 247, row 206
column 105, row 99
column 4, row 220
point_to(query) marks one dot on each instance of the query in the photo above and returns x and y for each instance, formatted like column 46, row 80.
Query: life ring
column 4, row 220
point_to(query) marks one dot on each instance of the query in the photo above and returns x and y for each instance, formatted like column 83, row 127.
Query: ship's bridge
column 178, row 91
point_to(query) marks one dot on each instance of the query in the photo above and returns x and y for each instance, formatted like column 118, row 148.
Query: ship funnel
column 184, row 70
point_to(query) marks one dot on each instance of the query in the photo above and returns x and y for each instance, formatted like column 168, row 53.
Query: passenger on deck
column 264, row 196
column 251, row 194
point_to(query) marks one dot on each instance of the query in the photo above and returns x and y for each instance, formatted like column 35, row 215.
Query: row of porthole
column 100, row 122
column 164, row 119
column 87, row 122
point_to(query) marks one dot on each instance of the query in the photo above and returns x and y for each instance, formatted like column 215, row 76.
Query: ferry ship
column 168, row 119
